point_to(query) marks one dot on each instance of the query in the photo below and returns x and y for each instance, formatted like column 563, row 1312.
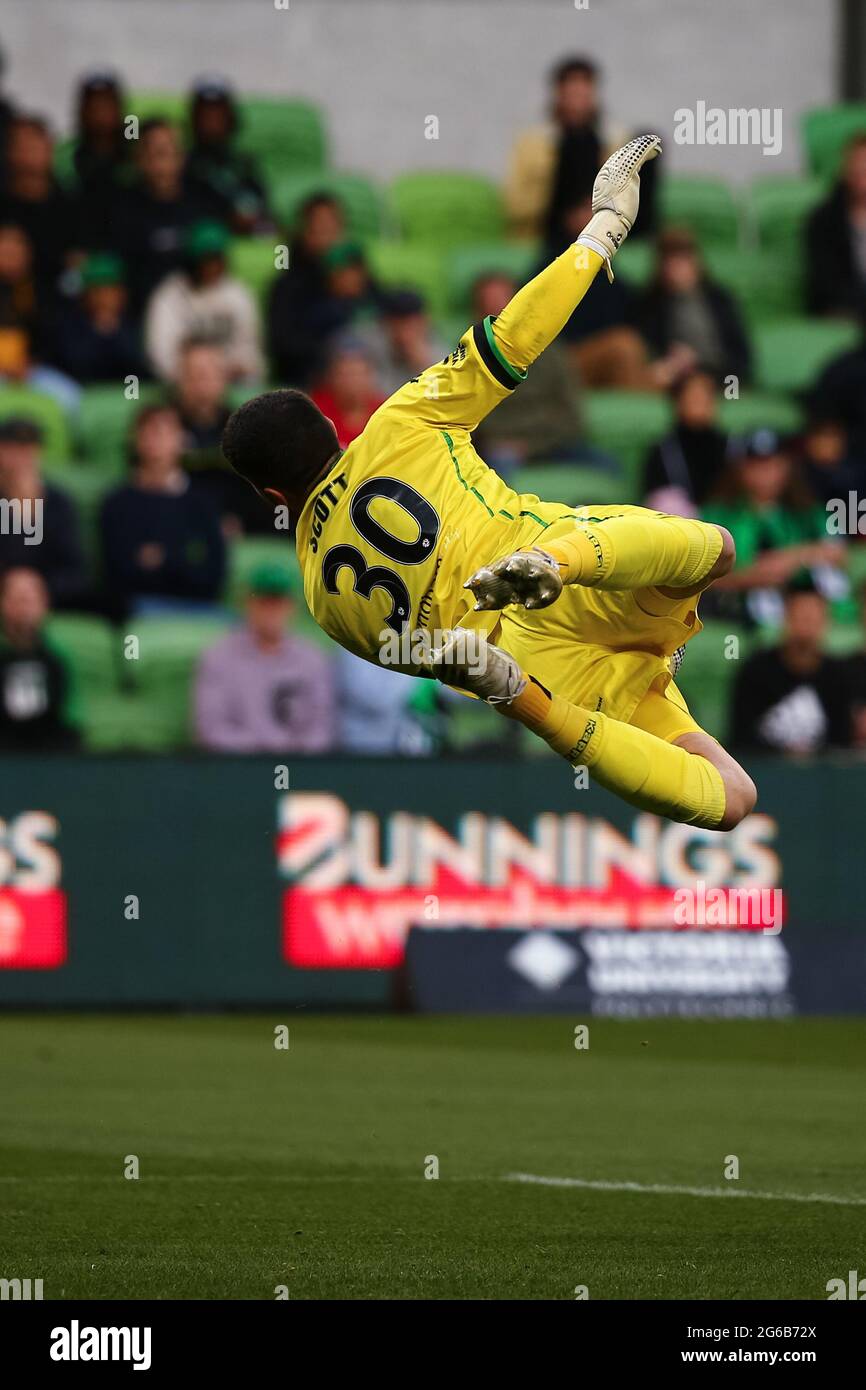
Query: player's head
column 281, row 443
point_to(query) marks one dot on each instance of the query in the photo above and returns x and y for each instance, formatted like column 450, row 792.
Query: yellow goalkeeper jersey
column 409, row 511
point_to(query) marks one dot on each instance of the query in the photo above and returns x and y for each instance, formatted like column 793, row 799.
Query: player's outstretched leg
column 638, row 549
column 692, row 780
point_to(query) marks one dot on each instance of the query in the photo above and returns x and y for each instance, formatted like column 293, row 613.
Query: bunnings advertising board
column 206, row 882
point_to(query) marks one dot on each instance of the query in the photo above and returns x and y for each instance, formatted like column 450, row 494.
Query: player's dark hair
column 279, row 440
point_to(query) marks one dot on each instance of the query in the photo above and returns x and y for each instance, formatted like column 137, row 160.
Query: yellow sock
column 642, row 769
column 637, row 550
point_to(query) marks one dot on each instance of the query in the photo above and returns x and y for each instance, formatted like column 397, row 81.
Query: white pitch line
column 145, row 1180
column 666, row 1190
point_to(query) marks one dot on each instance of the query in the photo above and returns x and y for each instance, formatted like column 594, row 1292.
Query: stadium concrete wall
column 381, row 67
column 207, row 882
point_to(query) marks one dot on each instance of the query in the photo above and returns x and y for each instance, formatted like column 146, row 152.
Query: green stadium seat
column 284, row 136
column 466, row 263
column 447, row 209
column 45, row 412
column 778, row 208
column 105, row 418
column 405, row 265
column 161, row 677
column 248, row 552
column 844, row 639
column 91, row 650
column 241, row 391
column 626, row 424
column 826, row 131
column 359, row 197
column 451, row 328
column 150, row 105
column 760, row 410
column 64, row 168
column 707, row 675
column 252, row 259
column 635, row 261
column 127, row 722
column 87, row 488
column 765, row 284
column 791, row 352
column 706, row 206
column 574, row 484
column 856, row 555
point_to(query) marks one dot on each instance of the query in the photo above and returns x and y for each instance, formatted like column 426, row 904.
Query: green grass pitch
column 305, row 1168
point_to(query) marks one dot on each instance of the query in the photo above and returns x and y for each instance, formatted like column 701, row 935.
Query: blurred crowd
column 121, row 271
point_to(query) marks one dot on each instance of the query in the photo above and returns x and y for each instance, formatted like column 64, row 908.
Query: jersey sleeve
column 459, row 391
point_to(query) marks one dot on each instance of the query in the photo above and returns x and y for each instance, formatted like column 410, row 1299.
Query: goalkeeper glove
column 615, row 197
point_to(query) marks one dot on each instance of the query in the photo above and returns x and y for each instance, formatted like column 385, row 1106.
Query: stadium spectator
column 216, row 162
column 377, row 710
column 6, row 110
column 34, row 681
column 687, row 318
column 348, row 392
column 540, row 421
column 25, row 315
column 46, row 539
column 403, row 342
column 203, row 408
column 32, row 198
column 835, row 249
column 20, row 305
column 321, row 224
column 201, row 402
column 683, row 469
column 18, row 368
column 343, row 298
column 147, row 221
column 555, row 165
column 161, row 540
column 830, row 467
column 793, row 698
column 262, row 689
column 778, row 526
column 840, row 392
column 95, row 338
column 856, row 678
column 204, row 301
column 101, row 154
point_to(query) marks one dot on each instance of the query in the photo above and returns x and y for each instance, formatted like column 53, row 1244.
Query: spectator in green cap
column 343, row 297
column 96, row 338
column 204, row 301
column 261, row 688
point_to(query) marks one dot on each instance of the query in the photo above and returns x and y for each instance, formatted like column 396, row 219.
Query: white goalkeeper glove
column 527, row 577
column 615, row 197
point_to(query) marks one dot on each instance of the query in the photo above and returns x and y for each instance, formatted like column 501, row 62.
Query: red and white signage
column 359, row 882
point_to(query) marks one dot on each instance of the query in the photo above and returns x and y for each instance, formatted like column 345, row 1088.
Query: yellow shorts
column 665, row 714
column 629, row 676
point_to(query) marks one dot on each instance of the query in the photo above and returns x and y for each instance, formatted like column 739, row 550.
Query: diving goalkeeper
column 577, row 612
